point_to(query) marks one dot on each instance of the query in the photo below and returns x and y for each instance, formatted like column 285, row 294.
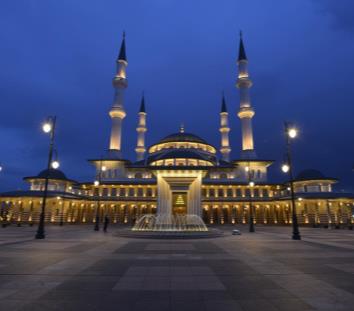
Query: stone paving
column 76, row 268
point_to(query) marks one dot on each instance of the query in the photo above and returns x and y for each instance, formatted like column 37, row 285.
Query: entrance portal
column 179, row 203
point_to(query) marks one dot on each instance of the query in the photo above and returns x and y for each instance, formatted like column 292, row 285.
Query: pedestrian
column 106, row 222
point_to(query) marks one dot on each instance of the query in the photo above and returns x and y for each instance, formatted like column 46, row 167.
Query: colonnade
column 309, row 212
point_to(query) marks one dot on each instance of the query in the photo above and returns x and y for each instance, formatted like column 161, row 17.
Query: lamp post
column 291, row 133
column 97, row 183
column 250, row 184
column 48, row 127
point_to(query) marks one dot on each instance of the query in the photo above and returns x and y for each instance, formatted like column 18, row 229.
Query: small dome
column 53, row 174
column 181, row 137
column 310, row 174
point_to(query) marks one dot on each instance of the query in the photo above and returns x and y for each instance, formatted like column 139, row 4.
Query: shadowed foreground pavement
column 76, row 268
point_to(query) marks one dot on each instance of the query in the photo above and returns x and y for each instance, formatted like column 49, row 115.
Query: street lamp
column 97, row 183
column 49, row 128
column 250, row 184
column 285, row 168
column 55, row 165
column 291, row 133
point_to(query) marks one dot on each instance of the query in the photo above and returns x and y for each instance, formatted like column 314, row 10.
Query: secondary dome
column 53, row 174
column 310, row 174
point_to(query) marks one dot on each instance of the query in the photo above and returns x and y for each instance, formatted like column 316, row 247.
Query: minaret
column 141, row 129
column 117, row 112
column 224, row 130
column 246, row 111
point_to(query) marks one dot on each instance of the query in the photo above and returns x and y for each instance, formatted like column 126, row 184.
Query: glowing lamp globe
column 96, row 183
column 103, row 168
column 251, row 183
column 285, row 168
column 55, row 165
column 47, row 127
column 292, row 132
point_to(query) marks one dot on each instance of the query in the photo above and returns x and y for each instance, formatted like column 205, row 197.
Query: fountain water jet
column 170, row 223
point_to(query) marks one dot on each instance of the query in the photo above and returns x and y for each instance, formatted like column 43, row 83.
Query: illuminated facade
column 180, row 174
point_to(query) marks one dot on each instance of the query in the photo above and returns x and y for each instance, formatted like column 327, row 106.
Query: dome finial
column 181, row 129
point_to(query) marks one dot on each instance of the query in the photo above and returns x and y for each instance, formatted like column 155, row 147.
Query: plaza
column 76, row 268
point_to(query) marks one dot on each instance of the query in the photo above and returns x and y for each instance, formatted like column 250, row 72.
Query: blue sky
column 58, row 58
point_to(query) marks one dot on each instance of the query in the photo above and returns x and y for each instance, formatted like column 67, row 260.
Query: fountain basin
column 170, row 223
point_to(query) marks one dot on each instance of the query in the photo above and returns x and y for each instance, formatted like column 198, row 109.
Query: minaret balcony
column 117, row 112
column 224, row 129
column 243, row 82
column 141, row 129
column 246, row 112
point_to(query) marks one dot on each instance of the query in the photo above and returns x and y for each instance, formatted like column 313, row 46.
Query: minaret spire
column 141, row 129
column 122, row 53
column 241, row 50
column 117, row 112
column 246, row 111
column 224, row 130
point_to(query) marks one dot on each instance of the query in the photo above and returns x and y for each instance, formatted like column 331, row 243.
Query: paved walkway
column 76, row 268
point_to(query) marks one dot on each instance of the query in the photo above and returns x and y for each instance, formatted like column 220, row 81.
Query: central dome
column 182, row 149
column 183, row 137
column 182, row 140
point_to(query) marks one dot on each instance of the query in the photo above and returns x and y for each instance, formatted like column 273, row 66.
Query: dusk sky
column 58, row 58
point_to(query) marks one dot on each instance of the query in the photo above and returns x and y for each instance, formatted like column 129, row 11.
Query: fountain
column 170, row 223
column 160, row 226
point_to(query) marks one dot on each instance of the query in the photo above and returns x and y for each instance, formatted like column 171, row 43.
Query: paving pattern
column 76, row 268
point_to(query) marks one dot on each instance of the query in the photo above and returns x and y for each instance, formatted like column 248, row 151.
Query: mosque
column 180, row 174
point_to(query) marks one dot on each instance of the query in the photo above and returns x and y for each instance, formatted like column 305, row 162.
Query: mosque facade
column 180, row 174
